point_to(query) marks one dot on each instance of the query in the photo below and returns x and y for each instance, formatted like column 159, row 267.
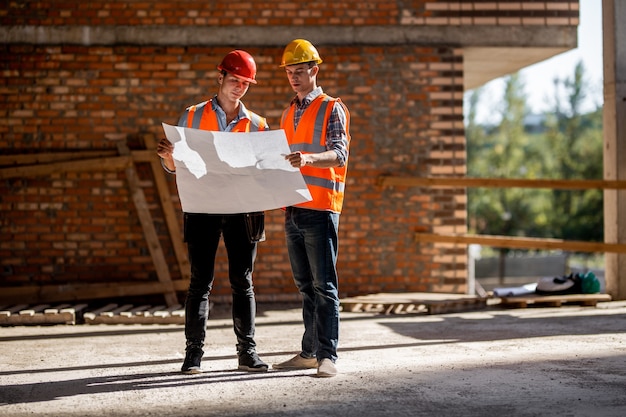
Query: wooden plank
column 521, row 242
column 175, row 307
column 115, row 311
column 462, row 182
column 134, row 311
column 39, row 315
column 14, row 309
column 411, row 297
column 95, row 164
column 586, row 300
column 145, row 155
column 514, row 304
column 55, row 309
column 111, row 316
column 90, row 316
column 32, row 310
column 155, row 309
column 71, row 313
column 397, row 303
column 49, row 157
column 171, row 319
column 65, row 292
column 108, row 307
column 352, row 307
column 127, row 314
column 60, row 314
column 8, row 314
column 410, row 308
column 454, row 306
column 152, row 238
column 167, row 205
column 78, row 308
column 479, row 290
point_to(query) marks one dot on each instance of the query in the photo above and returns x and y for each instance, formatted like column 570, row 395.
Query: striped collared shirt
column 221, row 115
column 336, row 138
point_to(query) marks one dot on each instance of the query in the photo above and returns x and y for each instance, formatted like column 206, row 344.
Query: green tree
column 575, row 142
column 504, row 153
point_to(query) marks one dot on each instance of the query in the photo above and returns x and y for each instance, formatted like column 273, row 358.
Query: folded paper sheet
column 225, row 172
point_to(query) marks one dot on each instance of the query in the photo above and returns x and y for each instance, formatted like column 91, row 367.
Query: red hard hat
column 240, row 64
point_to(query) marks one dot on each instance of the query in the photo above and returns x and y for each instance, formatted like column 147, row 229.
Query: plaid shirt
column 336, row 138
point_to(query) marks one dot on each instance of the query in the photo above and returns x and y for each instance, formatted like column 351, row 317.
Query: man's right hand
column 165, row 149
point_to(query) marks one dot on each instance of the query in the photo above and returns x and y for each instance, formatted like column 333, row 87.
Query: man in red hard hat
column 202, row 231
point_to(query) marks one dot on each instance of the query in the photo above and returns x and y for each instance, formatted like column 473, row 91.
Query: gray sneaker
column 326, row 369
column 297, row 362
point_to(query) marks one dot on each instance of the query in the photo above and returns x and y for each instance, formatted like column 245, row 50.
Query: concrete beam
column 481, row 65
column 456, row 36
column 489, row 51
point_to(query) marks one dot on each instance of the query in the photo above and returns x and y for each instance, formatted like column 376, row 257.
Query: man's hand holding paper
column 224, row 172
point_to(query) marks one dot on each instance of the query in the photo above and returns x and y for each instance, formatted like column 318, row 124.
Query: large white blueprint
column 226, row 172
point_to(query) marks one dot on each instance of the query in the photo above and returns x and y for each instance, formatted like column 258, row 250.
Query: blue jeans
column 312, row 246
column 202, row 234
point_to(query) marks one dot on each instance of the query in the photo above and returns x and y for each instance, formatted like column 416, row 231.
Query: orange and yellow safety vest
column 202, row 116
column 326, row 185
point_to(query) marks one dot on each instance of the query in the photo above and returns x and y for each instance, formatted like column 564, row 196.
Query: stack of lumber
column 585, row 300
column 397, row 303
column 23, row 314
column 128, row 314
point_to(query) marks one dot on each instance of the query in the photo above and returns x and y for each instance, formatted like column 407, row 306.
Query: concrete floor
column 565, row 361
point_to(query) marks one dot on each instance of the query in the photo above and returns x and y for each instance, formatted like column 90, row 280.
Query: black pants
column 202, row 234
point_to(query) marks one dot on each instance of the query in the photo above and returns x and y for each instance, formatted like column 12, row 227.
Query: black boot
column 250, row 361
column 193, row 356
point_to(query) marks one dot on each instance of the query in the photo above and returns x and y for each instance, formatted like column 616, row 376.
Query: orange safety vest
column 326, row 185
column 202, row 116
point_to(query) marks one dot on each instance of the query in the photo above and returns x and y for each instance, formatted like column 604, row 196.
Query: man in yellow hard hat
column 224, row 112
column 317, row 129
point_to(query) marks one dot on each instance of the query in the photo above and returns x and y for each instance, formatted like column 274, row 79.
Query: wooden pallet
column 398, row 303
column 42, row 314
column 128, row 314
column 586, row 300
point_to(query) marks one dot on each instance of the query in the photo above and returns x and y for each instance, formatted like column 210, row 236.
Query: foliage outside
column 565, row 144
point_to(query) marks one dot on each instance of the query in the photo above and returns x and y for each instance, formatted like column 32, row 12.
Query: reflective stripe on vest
column 317, row 144
column 202, row 116
column 327, row 185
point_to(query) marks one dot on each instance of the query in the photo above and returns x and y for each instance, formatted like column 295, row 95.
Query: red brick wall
column 291, row 13
column 405, row 103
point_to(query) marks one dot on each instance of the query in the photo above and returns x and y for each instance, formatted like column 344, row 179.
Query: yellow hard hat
column 299, row 51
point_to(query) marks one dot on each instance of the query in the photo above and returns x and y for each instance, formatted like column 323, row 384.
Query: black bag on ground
column 567, row 284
